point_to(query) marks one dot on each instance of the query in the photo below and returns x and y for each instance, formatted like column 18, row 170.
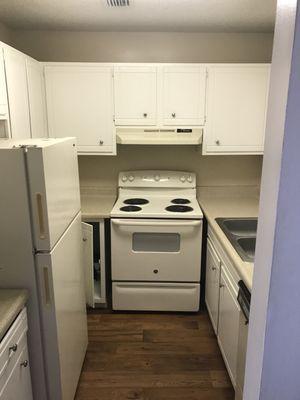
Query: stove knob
column 190, row 179
column 157, row 178
column 131, row 178
column 182, row 178
column 124, row 178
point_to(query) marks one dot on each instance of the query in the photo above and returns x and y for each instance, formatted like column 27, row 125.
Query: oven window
column 156, row 242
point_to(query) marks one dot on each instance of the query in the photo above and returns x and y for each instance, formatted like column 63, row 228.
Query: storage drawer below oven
column 156, row 296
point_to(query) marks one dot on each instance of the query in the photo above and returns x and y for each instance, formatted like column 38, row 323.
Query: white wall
column 5, row 34
column 210, row 170
column 145, row 47
column 273, row 356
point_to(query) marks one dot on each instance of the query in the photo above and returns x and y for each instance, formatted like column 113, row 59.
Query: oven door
column 156, row 250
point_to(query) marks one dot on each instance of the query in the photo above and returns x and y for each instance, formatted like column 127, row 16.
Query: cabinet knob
column 155, row 271
column 101, row 142
column 173, row 115
column 145, row 115
column 221, row 285
column 13, row 348
column 24, row 364
column 84, row 239
column 217, row 142
column 214, row 268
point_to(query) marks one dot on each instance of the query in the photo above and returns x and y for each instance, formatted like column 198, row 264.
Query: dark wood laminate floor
column 153, row 357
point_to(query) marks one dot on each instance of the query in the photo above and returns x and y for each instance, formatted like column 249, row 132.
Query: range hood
column 176, row 136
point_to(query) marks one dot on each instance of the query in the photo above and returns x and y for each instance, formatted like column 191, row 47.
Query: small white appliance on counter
column 156, row 239
column 41, row 250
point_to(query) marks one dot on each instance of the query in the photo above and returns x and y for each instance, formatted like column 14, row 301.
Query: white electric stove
column 156, row 236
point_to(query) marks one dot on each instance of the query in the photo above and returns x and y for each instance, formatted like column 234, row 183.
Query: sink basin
column 241, row 227
column 248, row 246
column 241, row 233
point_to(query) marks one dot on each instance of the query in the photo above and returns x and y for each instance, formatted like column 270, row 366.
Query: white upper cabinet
column 16, row 77
column 183, row 95
column 135, row 95
column 4, row 115
column 236, row 108
column 3, row 94
column 80, row 103
column 36, row 95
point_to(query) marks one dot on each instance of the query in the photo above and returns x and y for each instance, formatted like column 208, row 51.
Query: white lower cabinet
column 228, row 329
column 18, row 386
column 15, row 380
column 212, row 283
column 221, row 290
column 93, row 237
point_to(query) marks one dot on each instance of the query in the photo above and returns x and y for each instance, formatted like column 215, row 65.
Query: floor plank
column 152, row 356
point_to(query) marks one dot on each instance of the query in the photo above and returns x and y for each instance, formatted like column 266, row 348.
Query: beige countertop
column 230, row 202
column 11, row 303
column 97, row 203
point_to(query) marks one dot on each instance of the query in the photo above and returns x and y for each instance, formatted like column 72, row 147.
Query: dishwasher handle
column 244, row 300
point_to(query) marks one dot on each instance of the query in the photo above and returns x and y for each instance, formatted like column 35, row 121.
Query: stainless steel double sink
column 241, row 232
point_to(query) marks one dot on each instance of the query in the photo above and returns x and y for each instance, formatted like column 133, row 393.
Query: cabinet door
column 212, row 284
column 228, row 329
column 135, row 95
column 16, row 77
column 37, row 101
column 88, row 262
column 80, row 104
column 18, row 386
column 237, row 104
column 184, row 95
column 3, row 94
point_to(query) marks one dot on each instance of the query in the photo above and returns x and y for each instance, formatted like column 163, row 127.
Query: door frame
column 273, row 351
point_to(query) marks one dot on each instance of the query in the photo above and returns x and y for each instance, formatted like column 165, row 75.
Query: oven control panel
column 163, row 179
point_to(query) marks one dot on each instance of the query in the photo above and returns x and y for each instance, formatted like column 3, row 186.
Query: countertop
column 97, row 203
column 11, row 303
column 230, row 202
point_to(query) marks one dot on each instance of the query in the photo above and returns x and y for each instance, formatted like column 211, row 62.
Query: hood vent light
column 117, row 3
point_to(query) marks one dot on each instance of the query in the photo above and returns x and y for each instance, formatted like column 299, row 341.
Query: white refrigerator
column 41, row 250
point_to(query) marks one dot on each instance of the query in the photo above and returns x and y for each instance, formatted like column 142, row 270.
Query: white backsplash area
column 102, row 171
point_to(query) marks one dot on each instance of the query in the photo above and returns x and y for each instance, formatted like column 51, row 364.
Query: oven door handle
column 120, row 222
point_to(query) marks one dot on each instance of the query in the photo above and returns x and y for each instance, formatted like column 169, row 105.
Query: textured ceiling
column 142, row 15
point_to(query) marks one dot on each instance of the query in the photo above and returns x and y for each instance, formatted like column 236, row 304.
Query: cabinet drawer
column 156, row 296
column 12, row 345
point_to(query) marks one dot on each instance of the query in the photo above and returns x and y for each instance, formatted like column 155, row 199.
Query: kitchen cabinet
column 183, row 95
column 94, row 261
column 4, row 116
column 37, row 100
column 228, row 328
column 212, row 283
column 236, row 108
column 18, row 387
column 16, row 80
column 80, row 103
column 135, row 91
column 15, row 380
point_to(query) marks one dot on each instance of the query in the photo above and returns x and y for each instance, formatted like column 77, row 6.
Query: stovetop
column 157, row 194
column 157, row 206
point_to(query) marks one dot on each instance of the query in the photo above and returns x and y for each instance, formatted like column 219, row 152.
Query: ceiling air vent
column 117, row 3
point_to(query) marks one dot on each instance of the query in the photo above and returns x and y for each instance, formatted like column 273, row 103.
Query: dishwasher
column 244, row 299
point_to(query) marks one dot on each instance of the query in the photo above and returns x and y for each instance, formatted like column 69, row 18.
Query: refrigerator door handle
column 46, row 279
column 40, row 213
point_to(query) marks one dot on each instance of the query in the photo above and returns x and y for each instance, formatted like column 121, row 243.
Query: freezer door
column 88, row 262
column 54, row 190
column 61, row 283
